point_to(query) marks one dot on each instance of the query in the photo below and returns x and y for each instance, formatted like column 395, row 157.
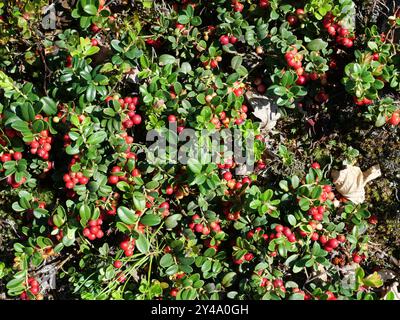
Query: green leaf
column 166, row 261
column 185, row 67
column 85, row 213
column 139, row 201
column 373, row 280
column 18, row 247
column 49, row 105
column 296, row 296
column 90, row 9
column 304, row 204
column 291, row 219
column 316, row 45
column 183, row 19
column 90, row 93
column 295, row 182
column 194, row 165
column 236, row 62
column 142, row 243
column 166, row 59
column 115, row 45
column 97, row 137
column 228, row 279
column 172, row 221
column 150, row 220
column 126, row 215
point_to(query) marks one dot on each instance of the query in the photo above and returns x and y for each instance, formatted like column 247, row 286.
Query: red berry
column 213, row 64
column 323, row 239
column 238, row 7
column 357, row 258
column 206, row 230
column 124, row 245
column 136, row 172
column 263, row 3
column 341, row 238
column 17, row 156
column 292, row 20
column 301, row 80
column 199, row 228
column 233, row 39
column 227, row 176
column 164, row 205
column 248, row 256
column 113, row 179
column 373, row 219
column 224, row 40
column 314, row 236
column 333, row 243
column 238, row 92
column 318, row 217
column 173, row 292
column 343, row 32
column 169, row 190
column 313, row 76
column 277, row 283
column 91, row 236
column 136, row 119
column 69, row 185
column 34, row 290
column 94, row 229
column 128, row 252
column 315, row 165
column 395, row 118
column 99, row 234
column 171, row 118
column 92, row 223
column 86, row 232
column 83, row 180
column 94, row 28
column 117, row 264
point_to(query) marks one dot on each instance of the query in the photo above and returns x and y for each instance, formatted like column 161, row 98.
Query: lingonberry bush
column 81, row 84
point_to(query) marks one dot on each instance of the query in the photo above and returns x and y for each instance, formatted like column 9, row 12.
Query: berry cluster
column 13, row 183
column 73, row 178
column 260, row 85
column 197, row 225
column 41, row 145
column 164, row 208
column 293, row 19
column 128, row 246
column 225, row 39
column 362, row 102
column 130, row 104
column 11, row 156
column 294, row 61
column 247, row 257
column 154, row 43
column 118, row 175
column 93, row 230
column 212, row 63
column 34, row 288
column 227, row 211
column 335, row 29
